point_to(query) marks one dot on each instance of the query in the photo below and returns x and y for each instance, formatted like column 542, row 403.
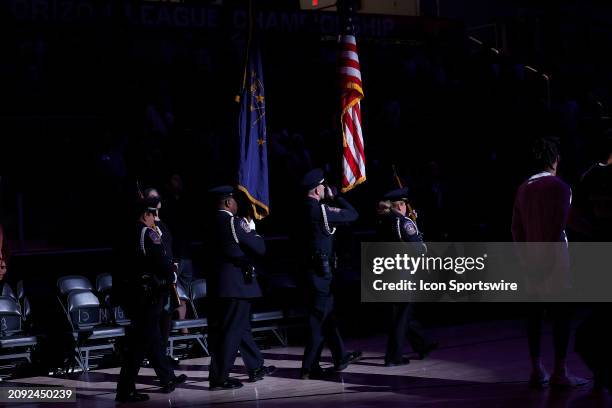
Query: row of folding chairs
column 93, row 318
column 92, row 334
column 15, row 341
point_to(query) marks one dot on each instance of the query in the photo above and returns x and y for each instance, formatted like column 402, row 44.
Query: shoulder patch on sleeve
column 154, row 236
column 245, row 225
column 409, row 227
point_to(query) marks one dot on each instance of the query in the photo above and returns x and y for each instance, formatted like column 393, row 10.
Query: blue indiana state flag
column 253, row 163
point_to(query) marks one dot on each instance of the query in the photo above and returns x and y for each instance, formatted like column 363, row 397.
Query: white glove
column 252, row 224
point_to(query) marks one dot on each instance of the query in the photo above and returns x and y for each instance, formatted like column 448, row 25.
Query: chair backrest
column 182, row 293
column 20, row 290
column 198, row 289
column 67, row 284
column 198, row 297
column 7, row 291
column 84, row 309
column 26, row 309
column 104, row 282
column 10, row 316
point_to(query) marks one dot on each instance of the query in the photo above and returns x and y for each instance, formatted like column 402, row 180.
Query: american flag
column 353, row 160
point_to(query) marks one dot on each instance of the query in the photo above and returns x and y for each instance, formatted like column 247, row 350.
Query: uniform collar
column 540, row 175
column 227, row 212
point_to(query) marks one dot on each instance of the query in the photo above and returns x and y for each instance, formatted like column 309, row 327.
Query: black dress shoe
column 428, row 349
column 317, row 374
column 229, row 384
column 260, row 373
column 348, row 359
column 171, row 386
column 394, row 363
column 131, row 397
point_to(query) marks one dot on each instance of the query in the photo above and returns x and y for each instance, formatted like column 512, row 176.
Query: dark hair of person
column 150, row 192
column 545, row 152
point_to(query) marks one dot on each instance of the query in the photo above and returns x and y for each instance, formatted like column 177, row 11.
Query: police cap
column 148, row 204
column 222, row 192
column 399, row 194
column 312, row 179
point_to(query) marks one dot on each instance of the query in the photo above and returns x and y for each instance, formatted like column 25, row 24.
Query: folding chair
column 84, row 315
column 197, row 323
column 111, row 314
column 12, row 336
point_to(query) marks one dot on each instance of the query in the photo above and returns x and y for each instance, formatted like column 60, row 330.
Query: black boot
column 171, row 386
column 348, row 359
column 131, row 397
column 317, row 373
column 260, row 373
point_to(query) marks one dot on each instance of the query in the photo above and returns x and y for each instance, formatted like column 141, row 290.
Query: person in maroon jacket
column 540, row 214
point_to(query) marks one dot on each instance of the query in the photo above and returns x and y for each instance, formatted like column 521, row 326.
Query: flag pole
column 247, row 51
column 398, row 181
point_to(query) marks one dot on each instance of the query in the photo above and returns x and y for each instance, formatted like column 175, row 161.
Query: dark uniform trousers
column 404, row 327
column 144, row 339
column 322, row 324
column 231, row 331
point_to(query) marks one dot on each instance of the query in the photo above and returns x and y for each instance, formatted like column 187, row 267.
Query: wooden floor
column 479, row 365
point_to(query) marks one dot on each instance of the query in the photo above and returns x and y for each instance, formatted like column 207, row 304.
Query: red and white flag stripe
column 353, row 160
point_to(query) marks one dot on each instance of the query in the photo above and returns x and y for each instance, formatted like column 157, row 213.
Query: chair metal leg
column 87, row 360
column 205, row 340
column 77, row 357
column 201, row 341
column 279, row 337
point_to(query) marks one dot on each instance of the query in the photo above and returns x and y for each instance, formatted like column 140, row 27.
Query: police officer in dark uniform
column 318, row 260
column 168, row 306
column 395, row 226
column 140, row 294
column 233, row 286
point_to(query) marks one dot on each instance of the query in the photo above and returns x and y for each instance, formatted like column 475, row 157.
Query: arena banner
column 166, row 14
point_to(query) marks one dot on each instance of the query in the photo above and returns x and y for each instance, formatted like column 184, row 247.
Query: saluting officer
column 233, row 286
column 320, row 221
column 396, row 226
column 140, row 293
column 168, row 305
